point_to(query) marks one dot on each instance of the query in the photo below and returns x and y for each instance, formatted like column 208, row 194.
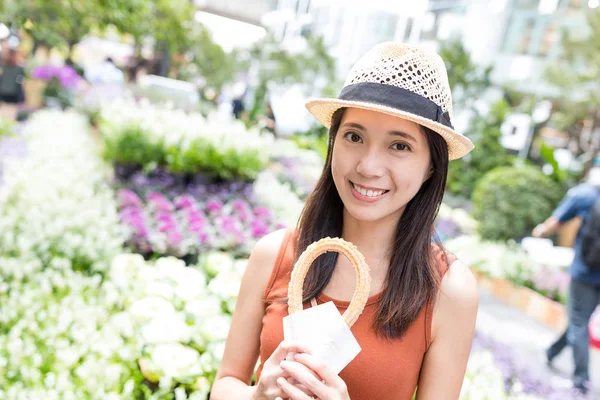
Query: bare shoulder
column 263, row 257
column 459, row 285
column 268, row 246
column 457, row 300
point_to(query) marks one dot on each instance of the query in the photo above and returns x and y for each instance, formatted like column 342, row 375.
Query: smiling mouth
column 368, row 192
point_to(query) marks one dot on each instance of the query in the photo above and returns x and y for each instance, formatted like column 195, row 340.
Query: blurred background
column 145, row 146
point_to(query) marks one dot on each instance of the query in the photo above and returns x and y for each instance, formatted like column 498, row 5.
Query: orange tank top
column 385, row 368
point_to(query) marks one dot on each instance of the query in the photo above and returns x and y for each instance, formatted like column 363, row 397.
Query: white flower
column 149, row 307
column 226, row 285
column 203, row 308
column 215, row 328
column 174, row 360
column 217, row 261
column 167, row 328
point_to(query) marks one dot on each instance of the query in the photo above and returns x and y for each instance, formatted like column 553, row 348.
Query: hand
column 267, row 387
column 314, row 375
column 539, row 231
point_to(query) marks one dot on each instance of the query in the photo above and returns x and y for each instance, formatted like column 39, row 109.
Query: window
column 526, row 4
column 549, row 38
column 526, row 37
column 576, row 4
column 408, row 28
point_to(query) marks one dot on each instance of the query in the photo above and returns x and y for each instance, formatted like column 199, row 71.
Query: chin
column 364, row 214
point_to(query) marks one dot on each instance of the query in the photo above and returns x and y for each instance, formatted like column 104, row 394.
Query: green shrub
column 133, row 146
column 484, row 131
column 509, row 201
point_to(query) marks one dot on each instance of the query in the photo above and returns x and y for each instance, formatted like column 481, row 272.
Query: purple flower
column 44, row 72
column 262, row 212
column 167, row 226
column 203, row 237
column 165, row 217
column 214, row 206
column 160, row 202
column 174, row 237
column 184, row 202
column 258, row 228
column 128, row 198
column 197, row 227
column 195, row 216
column 67, row 76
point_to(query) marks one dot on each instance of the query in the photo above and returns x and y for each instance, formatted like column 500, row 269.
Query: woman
column 384, row 178
column 11, row 85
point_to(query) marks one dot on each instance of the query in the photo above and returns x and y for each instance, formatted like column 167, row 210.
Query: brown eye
column 400, row 147
column 353, row 137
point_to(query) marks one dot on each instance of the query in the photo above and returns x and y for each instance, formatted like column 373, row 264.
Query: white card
column 324, row 332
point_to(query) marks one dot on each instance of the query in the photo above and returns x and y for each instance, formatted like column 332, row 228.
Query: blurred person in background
column 268, row 119
column 584, row 291
column 105, row 73
column 12, row 76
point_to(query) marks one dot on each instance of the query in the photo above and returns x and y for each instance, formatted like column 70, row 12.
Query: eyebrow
column 393, row 133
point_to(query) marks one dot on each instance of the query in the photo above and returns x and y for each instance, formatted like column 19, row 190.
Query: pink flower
column 214, row 205
column 174, row 237
column 185, row 201
column 160, row 202
column 128, row 198
column 262, row 212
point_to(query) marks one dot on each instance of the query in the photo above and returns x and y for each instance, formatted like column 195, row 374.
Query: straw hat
column 406, row 81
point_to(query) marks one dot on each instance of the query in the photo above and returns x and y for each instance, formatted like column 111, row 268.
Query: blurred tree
column 207, row 59
column 577, row 75
column 467, row 79
column 468, row 82
column 275, row 63
column 484, row 132
column 55, row 23
column 66, row 22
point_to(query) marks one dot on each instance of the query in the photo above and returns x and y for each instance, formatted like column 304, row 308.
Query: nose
column 371, row 165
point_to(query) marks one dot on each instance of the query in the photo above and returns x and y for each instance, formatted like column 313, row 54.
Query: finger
column 306, row 377
column 300, row 386
column 292, row 391
column 286, row 347
column 321, row 369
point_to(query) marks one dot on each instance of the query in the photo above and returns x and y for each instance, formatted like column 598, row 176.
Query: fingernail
column 280, row 381
column 283, row 364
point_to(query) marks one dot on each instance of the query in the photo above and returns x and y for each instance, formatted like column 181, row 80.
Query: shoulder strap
column 444, row 261
column 279, row 268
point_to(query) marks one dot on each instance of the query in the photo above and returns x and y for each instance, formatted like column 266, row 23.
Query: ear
column 429, row 174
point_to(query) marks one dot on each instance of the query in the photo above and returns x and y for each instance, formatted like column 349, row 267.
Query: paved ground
column 529, row 338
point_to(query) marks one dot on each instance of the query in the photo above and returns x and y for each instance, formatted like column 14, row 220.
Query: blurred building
column 518, row 37
column 249, row 11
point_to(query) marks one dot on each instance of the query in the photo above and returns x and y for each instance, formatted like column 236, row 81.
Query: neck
column 374, row 239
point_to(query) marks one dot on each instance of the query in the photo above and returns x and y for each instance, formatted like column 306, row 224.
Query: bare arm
column 243, row 343
column 548, row 227
column 452, row 330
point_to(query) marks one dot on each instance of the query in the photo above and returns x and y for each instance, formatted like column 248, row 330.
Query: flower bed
column 510, row 262
column 65, row 335
column 184, row 226
column 55, row 202
column 493, row 371
column 145, row 136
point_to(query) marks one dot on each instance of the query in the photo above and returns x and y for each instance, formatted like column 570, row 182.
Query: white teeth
column 368, row 193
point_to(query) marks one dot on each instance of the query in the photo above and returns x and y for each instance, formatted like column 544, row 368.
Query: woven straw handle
column 363, row 278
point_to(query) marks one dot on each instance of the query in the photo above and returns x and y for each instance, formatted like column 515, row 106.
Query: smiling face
column 379, row 163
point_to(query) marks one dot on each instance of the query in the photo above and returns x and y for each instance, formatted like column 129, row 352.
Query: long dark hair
column 413, row 277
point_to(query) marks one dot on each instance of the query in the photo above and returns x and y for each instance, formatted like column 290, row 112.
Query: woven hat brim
column 458, row 145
